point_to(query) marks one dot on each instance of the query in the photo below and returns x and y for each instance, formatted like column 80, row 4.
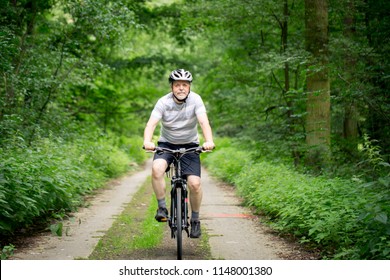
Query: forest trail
column 83, row 231
column 234, row 233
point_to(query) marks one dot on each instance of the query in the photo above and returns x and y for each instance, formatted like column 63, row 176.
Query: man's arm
column 148, row 133
column 207, row 132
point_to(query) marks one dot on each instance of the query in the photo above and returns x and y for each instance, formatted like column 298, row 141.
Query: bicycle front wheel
column 179, row 224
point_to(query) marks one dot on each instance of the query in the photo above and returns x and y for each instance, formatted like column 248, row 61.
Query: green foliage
column 51, row 47
column 254, row 82
column 53, row 176
column 65, row 71
column 58, row 83
column 67, row 67
column 226, row 162
column 108, row 159
column 245, row 81
column 7, row 251
column 133, row 147
column 345, row 218
column 56, row 229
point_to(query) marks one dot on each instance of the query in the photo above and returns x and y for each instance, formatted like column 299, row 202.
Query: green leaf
column 56, row 229
column 381, row 217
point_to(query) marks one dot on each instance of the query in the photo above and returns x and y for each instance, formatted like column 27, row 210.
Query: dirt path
column 82, row 232
column 234, row 232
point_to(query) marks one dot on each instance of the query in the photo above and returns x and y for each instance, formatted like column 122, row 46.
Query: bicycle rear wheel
column 179, row 224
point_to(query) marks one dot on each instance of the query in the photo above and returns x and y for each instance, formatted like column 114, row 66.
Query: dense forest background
column 303, row 83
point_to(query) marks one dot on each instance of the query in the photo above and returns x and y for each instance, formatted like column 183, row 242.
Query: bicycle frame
column 178, row 182
column 178, row 220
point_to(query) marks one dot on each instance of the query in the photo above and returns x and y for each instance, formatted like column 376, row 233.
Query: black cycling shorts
column 190, row 163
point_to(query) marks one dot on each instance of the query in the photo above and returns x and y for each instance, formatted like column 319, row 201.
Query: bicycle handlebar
column 181, row 151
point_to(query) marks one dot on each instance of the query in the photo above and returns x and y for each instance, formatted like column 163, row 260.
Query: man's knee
column 194, row 183
column 159, row 167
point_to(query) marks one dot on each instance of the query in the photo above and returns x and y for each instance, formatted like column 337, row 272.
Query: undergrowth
column 52, row 176
column 346, row 219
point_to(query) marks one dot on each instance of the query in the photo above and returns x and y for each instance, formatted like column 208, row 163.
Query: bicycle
column 178, row 219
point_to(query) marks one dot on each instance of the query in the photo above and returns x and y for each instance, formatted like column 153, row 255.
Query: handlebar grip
column 148, row 151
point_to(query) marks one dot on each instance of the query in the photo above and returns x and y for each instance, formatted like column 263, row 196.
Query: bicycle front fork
column 184, row 209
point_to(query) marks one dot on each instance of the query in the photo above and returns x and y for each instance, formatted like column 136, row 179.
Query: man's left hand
column 208, row 146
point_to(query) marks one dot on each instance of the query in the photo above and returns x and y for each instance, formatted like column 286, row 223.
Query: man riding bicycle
column 179, row 113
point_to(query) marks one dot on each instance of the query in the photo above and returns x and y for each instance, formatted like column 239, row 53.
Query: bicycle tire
column 179, row 224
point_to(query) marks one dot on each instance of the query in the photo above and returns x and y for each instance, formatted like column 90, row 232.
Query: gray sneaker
column 162, row 214
column 196, row 231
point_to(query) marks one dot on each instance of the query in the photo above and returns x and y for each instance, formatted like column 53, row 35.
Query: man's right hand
column 149, row 146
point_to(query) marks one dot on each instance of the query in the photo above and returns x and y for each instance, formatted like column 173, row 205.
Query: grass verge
column 135, row 228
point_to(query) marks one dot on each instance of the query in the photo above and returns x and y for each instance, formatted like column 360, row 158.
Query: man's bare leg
column 158, row 183
column 196, row 195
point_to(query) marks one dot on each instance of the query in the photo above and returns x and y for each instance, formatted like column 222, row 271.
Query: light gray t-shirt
column 179, row 124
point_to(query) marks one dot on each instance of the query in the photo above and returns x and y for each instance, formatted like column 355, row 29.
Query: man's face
column 181, row 89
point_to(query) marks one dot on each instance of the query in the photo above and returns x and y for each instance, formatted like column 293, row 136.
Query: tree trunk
column 317, row 81
column 351, row 112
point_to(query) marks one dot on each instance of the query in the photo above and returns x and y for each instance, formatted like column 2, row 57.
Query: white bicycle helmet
column 180, row 75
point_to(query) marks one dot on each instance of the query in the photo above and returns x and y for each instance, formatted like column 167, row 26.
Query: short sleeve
column 199, row 106
column 158, row 110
